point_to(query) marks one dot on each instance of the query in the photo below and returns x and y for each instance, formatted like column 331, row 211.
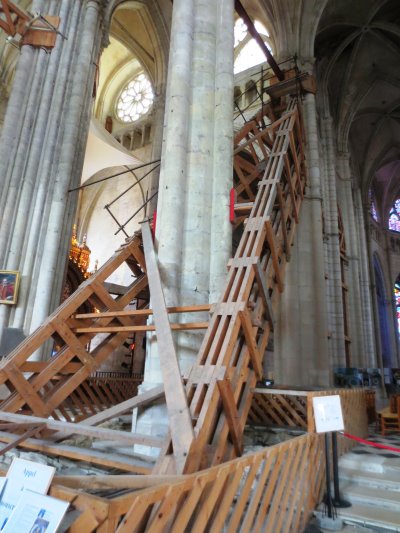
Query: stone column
column 41, row 157
column 336, row 343
column 171, row 195
column 156, row 147
column 196, row 170
column 367, row 286
column 301, row 349
column 221, row 229
column 356, row 306
column 193, row 235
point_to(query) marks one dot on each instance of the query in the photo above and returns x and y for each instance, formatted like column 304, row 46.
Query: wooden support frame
column 208, row 414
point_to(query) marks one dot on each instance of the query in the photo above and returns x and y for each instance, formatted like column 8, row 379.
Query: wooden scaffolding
column 207, row 409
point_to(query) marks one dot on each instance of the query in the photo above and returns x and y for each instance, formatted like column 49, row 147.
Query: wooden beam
column 180, row 420
column 264, row 293
column 274, row 254
column 121, row 408
column 283, row 209
column 122, row 481
column 231, row 413
column 38, row 366
column 116, row 329
column 119, row 461
column 33, row 430
column 146, row 312
column 80, row 429
column 251, row 343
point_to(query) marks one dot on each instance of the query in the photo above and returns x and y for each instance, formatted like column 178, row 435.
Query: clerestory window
column 394, row 216
column 247, row 51
column 135, row 99
column 397, row 300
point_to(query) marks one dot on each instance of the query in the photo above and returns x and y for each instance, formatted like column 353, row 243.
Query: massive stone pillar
column 359, row 310
column 41, row 156
column 196, row 170
column 301, row 349
column 367, row 287
column 335, row 309
column 193, row 234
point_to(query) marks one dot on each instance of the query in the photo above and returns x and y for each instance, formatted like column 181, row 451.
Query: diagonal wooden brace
column 273, row 245
column 231, row 413
column 264, row 293
column 175, row 395
column 251, row 343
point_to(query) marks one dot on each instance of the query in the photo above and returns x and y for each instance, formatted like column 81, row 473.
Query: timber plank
column 82, row 454
column 231, row 413
column 82, row 429
column 177, row 405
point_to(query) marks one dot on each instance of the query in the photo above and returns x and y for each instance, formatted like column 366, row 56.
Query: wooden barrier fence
column 274, row 490
column 291, row 408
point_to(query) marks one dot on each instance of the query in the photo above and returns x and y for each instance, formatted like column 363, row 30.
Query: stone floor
column 370, row 480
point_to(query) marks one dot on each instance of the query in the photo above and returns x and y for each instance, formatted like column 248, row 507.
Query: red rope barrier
column 369, row 443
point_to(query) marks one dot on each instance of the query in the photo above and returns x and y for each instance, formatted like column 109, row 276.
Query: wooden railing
column 95, row 394
column 274, row 490
column 293, row 409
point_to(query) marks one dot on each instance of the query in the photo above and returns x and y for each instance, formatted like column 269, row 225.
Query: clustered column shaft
column 41, row 156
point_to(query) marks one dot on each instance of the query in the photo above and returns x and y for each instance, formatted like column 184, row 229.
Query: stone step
column 383, row 520
column 370, row 463
column 366, row 495
column 377, row 480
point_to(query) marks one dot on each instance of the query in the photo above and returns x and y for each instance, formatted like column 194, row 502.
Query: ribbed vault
column 358, row 53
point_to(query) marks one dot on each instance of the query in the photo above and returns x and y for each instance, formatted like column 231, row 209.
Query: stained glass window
column 374, row 212
column 397, row 299
column 135, row 99
column 394, row 216
column 372, row 206
column 240, row 31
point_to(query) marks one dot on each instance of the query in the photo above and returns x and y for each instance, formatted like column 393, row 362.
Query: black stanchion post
column 337, row 500
column 328, row 499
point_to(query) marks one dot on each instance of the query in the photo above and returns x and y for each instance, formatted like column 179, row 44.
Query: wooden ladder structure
column 270, row 174
column 209, row 411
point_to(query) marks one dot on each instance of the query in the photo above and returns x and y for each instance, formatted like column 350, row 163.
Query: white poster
column 36, row 513
column 328, row 413
column 21, row 475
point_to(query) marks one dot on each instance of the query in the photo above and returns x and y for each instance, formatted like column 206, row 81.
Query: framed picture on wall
column 9, row 284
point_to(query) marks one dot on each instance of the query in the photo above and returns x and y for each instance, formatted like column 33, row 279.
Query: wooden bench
column 389, row 421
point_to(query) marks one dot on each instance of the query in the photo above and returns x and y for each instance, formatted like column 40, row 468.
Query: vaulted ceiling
column 357, row 47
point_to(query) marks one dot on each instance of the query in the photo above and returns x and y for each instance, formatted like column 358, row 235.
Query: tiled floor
column 392, row 440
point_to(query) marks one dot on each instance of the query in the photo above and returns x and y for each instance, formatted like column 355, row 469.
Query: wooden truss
column 24, row 28
column 208, row 408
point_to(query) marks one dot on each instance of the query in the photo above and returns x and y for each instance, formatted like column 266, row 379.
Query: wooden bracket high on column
column 24, row 28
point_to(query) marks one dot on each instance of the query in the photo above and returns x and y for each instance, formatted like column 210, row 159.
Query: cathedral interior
column 200, row 231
